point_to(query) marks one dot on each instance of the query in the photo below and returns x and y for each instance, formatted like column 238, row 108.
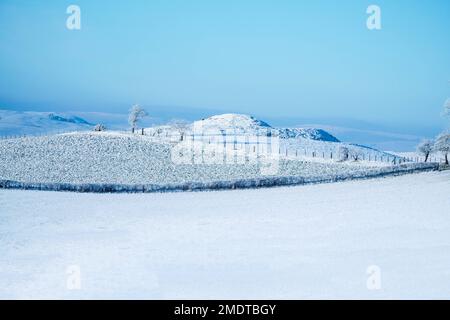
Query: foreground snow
column 312, row 241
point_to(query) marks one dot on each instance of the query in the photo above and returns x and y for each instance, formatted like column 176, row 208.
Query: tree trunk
column 426, row 156
column 446, row 158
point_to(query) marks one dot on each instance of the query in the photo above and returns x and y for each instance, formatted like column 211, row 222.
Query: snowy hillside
column 209, row 152
column 124, row 158
column 307, row 133
column 13, row 123
column 235, row 128
column 18, row 123
column 233, row 122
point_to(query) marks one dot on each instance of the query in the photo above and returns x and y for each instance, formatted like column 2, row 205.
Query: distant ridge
column 33, row 123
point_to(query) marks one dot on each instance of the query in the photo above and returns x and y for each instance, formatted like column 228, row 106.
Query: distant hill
column 36, row 123
column 32, row 123
column 242, row 122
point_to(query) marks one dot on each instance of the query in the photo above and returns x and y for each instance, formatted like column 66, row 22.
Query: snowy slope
column 308, row 242
column 37, row 123
column 245, row 123
column 292, row 141
column 33, row 123
column 307, row 133
column 232, row 121
column 113, row 157
column 15, row 123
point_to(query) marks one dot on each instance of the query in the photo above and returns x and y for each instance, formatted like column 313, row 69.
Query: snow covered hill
column 125, row 158
column 30, row 123
column 307, row 133
column 231, row 121
column 14, row 123
column 248, row 124
column 235, row 128
column 208, row 151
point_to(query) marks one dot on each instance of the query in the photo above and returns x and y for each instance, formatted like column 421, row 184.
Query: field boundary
column 263, row 182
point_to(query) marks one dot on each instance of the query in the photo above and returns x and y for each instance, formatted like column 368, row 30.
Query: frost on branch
column 99, row 127
column 344, row 153
column 136, row 114
column 425, row 148
column 442, row 145
column 180, row 126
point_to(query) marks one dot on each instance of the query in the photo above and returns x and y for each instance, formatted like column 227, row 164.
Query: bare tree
column 442, row 145
column 353, row 153
column 136, row 114
column 181, row 126
column 425, row 148
column 99, row 127
column 344, row 153
column 349, row 152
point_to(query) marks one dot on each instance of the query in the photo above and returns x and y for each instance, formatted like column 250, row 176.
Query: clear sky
column 274, row 58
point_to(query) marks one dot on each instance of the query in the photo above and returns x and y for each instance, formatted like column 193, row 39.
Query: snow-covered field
column 313, row 241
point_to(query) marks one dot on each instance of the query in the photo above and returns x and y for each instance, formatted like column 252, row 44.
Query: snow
column 307, row 133
column 314, row 241
column 232, row 122
column 34, row 123
column 119, row 158
column 434, row 156
column 14, row 123
column 378, row 137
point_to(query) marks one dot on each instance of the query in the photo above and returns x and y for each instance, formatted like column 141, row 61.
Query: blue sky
column 279, row 59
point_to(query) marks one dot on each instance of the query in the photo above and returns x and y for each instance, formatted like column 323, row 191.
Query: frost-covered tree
column 425, row 148
column 99, row 127
column 354, row 153
column 136, row 114
column 344, row 153
column 181, row 126
column 442, row 145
